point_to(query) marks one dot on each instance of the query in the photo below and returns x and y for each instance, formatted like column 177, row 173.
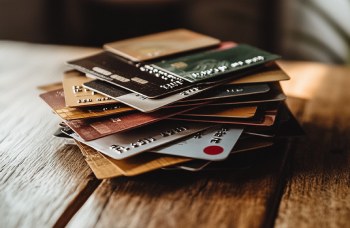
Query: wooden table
column 44, row 182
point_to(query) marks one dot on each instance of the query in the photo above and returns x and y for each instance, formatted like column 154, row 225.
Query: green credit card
column 213, row 63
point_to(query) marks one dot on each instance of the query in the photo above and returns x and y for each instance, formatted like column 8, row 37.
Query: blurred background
column 317, row 30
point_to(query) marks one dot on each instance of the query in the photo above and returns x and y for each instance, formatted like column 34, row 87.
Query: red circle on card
column 213, row 150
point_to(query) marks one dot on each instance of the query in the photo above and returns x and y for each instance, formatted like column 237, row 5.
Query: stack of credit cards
column 172, row 100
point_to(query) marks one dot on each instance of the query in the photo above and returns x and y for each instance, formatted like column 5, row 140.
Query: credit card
column 105, row 167
column 100, row 166
column 267, row 120
column 274, row 95
column 51, row 86
column 210, row 64
column 270, row 73
column 58, row 133
column 77, row 96
column 140, row 102
column 193, row 166
column 108, row 67
column 224, row 112
column 91, row 129
column 145, row 104
column 227, row 91
column 212, row 144
column 252, row 143
column 55, row 99
column 129, row 143
column 243, row 145
column 160, row 44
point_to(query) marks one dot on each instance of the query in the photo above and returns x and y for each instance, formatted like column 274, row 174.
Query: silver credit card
column 140, row 102
column 145, row 104
column 125, row 144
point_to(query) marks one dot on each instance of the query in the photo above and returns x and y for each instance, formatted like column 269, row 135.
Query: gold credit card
column 146, row 162
column 267, row 119
column 55, row 99
column 160, row 44
column 226, row 111
column 106, row 167
column 271, row 73
column 100, row 166
column 51, row 86
column 77, row 96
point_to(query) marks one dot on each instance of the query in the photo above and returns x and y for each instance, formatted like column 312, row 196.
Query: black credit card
column 139, row 102
column 109, row 67
column 229, row 91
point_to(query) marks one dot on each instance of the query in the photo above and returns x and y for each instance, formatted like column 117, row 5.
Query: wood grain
column 317, row 193
column 226, row 198
column 39, row 175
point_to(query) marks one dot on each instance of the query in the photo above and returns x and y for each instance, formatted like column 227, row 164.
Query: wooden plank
column 317, row 191
column 225, row 198
column 40, row 177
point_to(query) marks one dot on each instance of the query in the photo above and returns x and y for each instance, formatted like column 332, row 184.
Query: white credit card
column 197, row 165
column 140, row 102
column 212, row 144
column 125, row 144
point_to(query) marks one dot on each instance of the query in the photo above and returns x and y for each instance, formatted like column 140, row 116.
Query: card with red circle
column 129, row 143
column 212, row 144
